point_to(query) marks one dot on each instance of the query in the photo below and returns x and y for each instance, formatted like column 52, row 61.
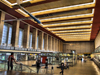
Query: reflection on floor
column 15, row 73
column 30, row 63
column 88, row 68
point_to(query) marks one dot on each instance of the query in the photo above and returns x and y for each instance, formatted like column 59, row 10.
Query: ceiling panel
column 67, row 21
column 60, row 3
column 70, row 20
column 67, row 13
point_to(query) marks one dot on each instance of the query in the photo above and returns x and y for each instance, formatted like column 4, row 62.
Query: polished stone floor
column 30, row 63
column 88, row 68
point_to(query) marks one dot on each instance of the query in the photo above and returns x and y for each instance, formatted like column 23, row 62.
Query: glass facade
column 6, row 35
column 10, row 35
column 20, row 37
column 30, row 40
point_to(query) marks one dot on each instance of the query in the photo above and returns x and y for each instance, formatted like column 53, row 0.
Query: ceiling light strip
column 76, row 38
column 67, row 31
column 73, row 33
column 35, row 1
column 79, row 40
column 69, row 23
column 72, row 27
column 67, row 17
column 66, row 8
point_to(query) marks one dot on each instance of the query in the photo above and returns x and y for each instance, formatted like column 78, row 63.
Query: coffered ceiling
column 70, row 20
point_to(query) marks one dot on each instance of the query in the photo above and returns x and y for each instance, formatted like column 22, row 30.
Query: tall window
column 9, row 35
column 20, row 37
column 4, row 35
column 30, row 40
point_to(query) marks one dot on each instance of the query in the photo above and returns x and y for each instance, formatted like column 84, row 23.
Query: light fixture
column 67, row 17
column 73, row 33
column 66, row 8
column 67, row 31
column 68, row 23
column 71, row 27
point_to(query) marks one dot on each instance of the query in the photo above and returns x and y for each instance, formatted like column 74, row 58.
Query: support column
column 34, row 38
column 26, row 36
column 26, row 57
column 46, row 42
column 15, row 56
column 15, row 33
column 41, row 40
column 54, row 44
column 2, row 17
column 60, row 46
column 57, row 45
column 51, row 43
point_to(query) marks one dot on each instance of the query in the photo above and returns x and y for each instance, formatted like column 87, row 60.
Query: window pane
column 10, row 35
column 20, row 37
column 30, row 40
column 4, row 35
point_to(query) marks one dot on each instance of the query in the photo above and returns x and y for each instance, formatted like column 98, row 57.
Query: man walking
column 62, row 68
column 38, row 65
column 10, row 61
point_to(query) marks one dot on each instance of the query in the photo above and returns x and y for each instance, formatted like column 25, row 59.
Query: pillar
column 15, row 33
column 15, row 56
column 41, row 34
column 46, row 41
column 26, row 57
column 2, row 17
column 34, row 38
column 51, row 43
column 26, row 36
column 54, row 44
column 59, row 45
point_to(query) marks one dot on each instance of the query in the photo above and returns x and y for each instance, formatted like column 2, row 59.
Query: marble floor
column 30, row 63
column 88, row 68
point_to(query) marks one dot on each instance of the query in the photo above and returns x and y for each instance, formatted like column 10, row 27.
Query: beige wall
column 80, row 47
column 97, row 40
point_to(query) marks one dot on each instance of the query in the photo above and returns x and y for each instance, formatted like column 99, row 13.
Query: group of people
column 11, row 59
column 38, row 62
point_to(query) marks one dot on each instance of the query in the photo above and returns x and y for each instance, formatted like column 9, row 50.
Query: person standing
column 10, row 61
column 38, row 65
column 67, row 65
column 46, row 65
column 62, row 68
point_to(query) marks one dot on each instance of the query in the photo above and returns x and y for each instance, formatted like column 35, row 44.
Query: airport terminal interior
column 49, row 37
